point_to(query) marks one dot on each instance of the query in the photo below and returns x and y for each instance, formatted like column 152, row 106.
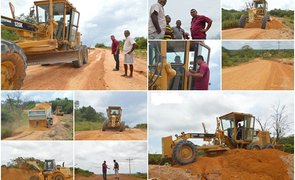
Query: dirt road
column 259, row 75
column 128, row 134
column 110, row 177
column 61, row 130
column 97, row 74
column 238, row 164
column 275, row 30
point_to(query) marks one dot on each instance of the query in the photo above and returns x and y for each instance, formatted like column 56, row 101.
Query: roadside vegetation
column 247, row 53
column 82, row 172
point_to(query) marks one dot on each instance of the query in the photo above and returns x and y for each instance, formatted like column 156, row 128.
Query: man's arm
column 209, row 23
column 154, row 17
column 195, row 74
column 133, row 47
column 117, row 49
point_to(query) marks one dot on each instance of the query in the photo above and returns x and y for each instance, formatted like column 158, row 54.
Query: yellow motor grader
column 114, row 121
column 256, row 15
column 58, row 111
column 51, row 171
column 52, row 37
column 170, row 61
column 234, row 130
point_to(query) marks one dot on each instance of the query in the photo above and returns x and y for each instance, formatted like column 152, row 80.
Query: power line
column 129, row 160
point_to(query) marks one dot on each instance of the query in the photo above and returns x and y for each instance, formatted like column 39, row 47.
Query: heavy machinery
column 51, row 37
column 234, row 130
column 256, row 15
column 170, row 61
column 114, row 114
column 51, row 171
column 58, row 111
column 41, row 116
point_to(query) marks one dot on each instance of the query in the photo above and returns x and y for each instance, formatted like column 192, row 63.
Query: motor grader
column 114, row 121
column 51, row 171
column 234, row 130
column 51, row 37
column 58, row 111
column 256, row 15
column 170, row 61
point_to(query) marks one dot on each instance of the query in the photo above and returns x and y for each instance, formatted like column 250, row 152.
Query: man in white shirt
column 129, row 46
column 157, row 20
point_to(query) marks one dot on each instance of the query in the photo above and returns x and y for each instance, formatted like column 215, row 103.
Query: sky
column 60, row 151
column 187, row 111
column 133, row 103
column 272, row 4
column 234, row 45
column 181, row 10
column 41, row 96
column 90, row 155
column 99, row 18
column 214, row 64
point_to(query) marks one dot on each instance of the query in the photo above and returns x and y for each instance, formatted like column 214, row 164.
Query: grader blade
column 53, row 57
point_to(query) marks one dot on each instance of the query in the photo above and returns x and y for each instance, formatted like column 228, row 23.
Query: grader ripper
column 234, row 130
column 51, row 171
column 256, row 14
column 114, row 119
column 170, row 61
column 52, row 37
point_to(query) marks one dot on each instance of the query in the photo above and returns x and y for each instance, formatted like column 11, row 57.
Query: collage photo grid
column 147, row 89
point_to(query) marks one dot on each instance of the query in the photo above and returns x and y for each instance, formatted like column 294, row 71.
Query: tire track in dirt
column 110, row 177
column 259, row 75
column 128, row 134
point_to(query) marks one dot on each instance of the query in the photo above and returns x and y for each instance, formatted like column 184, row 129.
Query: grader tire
column 58, row 177
column 253, row 146
column 122, row 127
column 78, row 63
column 242, row 21
column 104, row 125
column 85, row 54
column 268, row 146
column 13, row 66
column 184, row 152
column 264, row 22
column 34, row 178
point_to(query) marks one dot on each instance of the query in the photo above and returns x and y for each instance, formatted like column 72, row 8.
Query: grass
column 141, row 54
column 140, row 175
column 87, row 125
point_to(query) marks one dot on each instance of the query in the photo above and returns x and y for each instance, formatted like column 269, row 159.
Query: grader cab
column 48, row 36
column 114, row 121
column 256, row 15
column 234, row 130
column 170, row 61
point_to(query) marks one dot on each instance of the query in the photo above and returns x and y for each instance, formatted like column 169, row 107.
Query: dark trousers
column 116, row 57
column 104, row 175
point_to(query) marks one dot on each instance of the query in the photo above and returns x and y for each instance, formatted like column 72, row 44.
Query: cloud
column 272, row 4
column 41, row 96
column 234, row 45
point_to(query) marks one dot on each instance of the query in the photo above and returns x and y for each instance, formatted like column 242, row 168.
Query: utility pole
column 129, row 160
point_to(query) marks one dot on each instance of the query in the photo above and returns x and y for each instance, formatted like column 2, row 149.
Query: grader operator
column 234, row 130
column 52, row 37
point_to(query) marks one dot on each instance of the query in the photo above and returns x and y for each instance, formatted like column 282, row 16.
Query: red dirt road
column 97, row 74
column 128, row 134
column 274, row 30
column 110, row 177
column 56, row 132
column 259, row 75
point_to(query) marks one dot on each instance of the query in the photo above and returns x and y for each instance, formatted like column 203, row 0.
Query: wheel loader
column 41, row 116
column 170, row 61
column 234, row 130
column 51, row 37
column 58, row 111
column 114, row 121
column 51, row 171
column 256, row 15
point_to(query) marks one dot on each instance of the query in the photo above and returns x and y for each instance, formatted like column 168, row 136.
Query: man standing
column 178, row 32
column 198, row 25
column 202, row 75
column 128, row 48
column 168, row 30
column 104, row 170
column 157, row 20
column 116, row 168
column 115, row 52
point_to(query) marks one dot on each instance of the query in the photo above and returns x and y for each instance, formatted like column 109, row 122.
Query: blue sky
column 187, row 111
column 234, row 45
column 133, row 103
column 41, row 96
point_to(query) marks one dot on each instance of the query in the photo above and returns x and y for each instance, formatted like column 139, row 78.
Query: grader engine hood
column 113, row 120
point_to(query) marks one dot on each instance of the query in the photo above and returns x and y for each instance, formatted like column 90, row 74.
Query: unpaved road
column 57, row 132
column 128, row 134
column 275, row 30
column 259, row 75
column 97, row 74
column 109, row 177
column 238, row 164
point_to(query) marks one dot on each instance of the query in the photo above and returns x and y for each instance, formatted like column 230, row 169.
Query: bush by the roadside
column 87, row 125
column 82, row 172
column 231, row 18
column 141, row 126
column 140, row 175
